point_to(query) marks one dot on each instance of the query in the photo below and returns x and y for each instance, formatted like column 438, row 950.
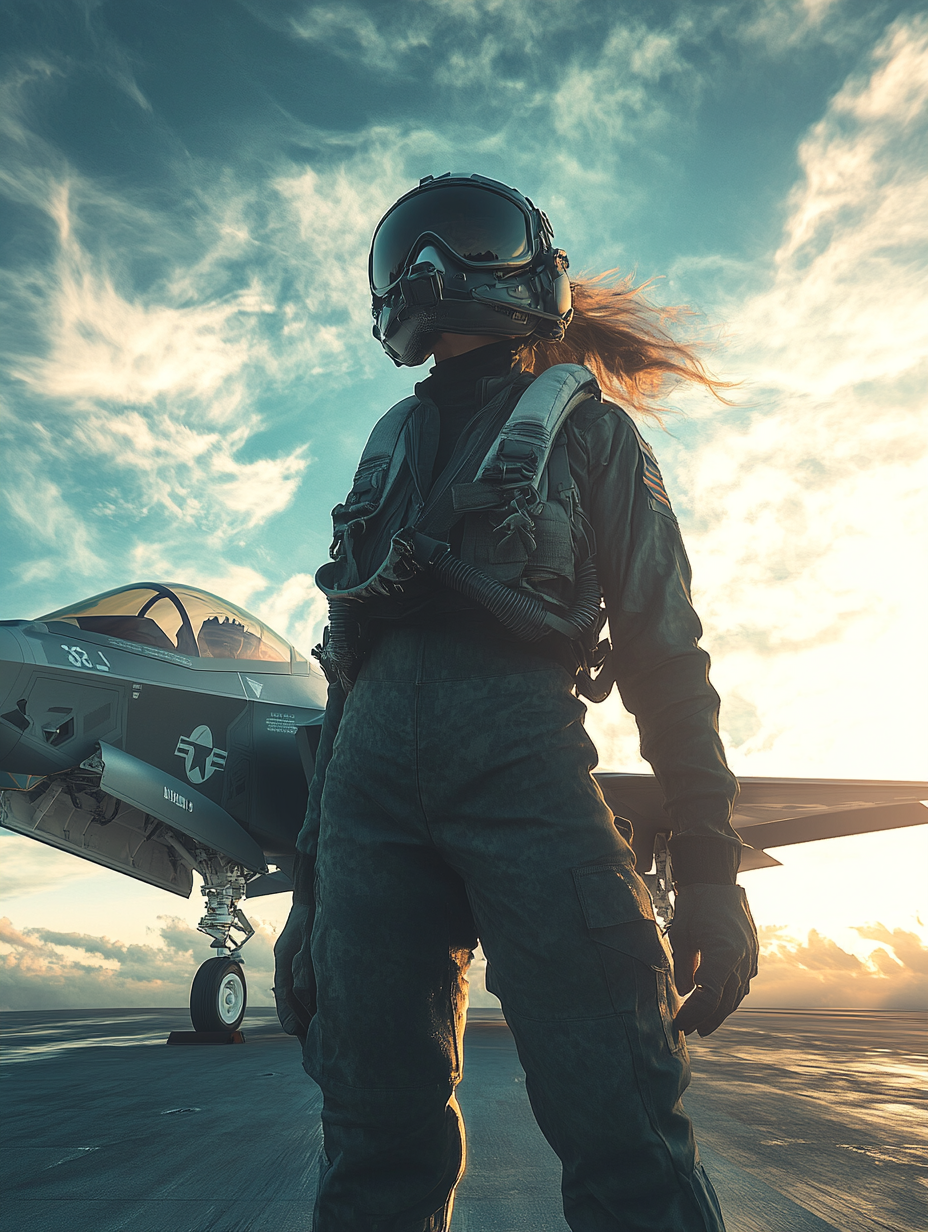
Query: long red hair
column 624, row 340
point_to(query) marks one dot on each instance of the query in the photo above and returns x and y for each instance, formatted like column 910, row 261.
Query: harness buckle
column 518, row 524
column 515, row 462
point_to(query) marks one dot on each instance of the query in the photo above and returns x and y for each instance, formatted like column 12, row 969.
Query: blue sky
column 187, row 195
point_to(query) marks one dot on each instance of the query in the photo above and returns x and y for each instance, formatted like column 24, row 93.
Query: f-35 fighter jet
column 161, row 731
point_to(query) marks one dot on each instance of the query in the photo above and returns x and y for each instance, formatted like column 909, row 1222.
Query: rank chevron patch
column 653, row 481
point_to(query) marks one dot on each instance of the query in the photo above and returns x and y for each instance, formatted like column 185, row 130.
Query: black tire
column 218, row 996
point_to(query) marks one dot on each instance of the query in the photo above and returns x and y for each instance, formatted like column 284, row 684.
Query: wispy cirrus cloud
column 804, row 510
column 846, row 303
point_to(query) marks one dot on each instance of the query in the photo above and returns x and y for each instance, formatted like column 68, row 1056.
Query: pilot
column 453, row 797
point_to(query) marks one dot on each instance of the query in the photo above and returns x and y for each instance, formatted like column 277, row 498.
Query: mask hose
column 519, row 612
column 339, row 652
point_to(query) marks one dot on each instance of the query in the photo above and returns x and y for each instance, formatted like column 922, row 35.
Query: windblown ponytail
column 623, row 339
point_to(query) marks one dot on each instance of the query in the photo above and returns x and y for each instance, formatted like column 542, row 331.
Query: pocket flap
column 612, row 894
column 619, row 913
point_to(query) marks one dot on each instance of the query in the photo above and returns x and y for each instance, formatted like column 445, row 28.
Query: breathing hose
column 523, row 614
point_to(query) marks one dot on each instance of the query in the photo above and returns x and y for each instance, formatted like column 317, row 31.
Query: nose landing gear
column 219, row 993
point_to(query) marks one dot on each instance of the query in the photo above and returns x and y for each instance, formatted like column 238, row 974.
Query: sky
column 187, row 194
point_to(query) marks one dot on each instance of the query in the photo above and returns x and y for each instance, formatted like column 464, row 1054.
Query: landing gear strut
column 219, row 993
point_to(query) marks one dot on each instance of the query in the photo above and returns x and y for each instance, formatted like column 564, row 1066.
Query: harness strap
column 522, row 613
column 515, row 473
column 521, row 452
column 380, row 463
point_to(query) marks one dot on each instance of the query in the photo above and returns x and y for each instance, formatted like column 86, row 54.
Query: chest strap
column 381, row 461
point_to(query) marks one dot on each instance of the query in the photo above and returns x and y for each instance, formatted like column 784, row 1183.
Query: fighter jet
column 163, row 732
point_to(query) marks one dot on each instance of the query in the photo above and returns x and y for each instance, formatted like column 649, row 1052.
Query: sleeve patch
column 652, row 479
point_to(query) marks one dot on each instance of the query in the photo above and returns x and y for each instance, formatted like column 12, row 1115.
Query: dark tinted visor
column 479, row 225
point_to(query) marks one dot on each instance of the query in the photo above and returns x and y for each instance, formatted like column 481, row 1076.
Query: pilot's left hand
column 714, row 944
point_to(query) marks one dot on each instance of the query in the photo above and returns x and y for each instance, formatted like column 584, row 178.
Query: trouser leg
column 484, row 770
column 391, row 943
column 574, row 951
column 606, row 1095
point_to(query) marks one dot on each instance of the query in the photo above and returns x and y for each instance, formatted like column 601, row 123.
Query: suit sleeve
column 661, row 671
column 308, row 839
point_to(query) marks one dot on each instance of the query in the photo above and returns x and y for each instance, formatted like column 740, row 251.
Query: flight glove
column 294, row 977
column 294, row 981
column 714, row 944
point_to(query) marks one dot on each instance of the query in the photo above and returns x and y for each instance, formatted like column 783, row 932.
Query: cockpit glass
column 180, row 618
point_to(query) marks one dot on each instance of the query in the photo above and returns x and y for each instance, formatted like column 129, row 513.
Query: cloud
column 845, row 303
column 13, row 937
column 612, row 95
column 47, row 969
column 29, row 867
column 146, row 387
column 907, row 946
column 350, row 31
column 47, row 518
column 818, row 973
column 783, row 26
column 298, row 609
column 803, row 511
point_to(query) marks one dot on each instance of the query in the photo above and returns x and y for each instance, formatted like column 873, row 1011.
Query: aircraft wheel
column 218, row 996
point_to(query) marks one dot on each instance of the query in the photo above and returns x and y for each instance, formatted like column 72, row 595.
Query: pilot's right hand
column 294, row 979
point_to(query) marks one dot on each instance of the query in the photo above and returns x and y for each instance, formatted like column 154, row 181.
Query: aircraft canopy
column 180, row 618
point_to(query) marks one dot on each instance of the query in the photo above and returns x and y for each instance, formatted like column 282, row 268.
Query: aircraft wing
column 777, row 812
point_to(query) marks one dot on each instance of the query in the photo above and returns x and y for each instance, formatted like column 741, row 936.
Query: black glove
column 294, row 978
column 294, row 982
column 714, row 945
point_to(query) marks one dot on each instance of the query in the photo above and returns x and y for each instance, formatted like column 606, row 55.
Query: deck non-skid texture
column 808, row 1122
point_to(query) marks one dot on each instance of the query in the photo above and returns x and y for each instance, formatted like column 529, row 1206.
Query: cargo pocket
column 619, row 917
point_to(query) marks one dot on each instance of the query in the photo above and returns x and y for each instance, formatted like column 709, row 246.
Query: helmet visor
column 479, row 226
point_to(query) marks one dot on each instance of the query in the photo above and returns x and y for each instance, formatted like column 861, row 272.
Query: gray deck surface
column 808, row 1122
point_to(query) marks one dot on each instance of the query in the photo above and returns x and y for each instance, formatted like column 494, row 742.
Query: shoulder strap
column 380, row 462
column 520, row 453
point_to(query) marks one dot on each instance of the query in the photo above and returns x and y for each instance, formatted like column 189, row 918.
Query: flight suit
column 453, row 799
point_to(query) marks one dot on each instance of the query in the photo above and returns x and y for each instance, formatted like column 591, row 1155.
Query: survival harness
column 525, row 539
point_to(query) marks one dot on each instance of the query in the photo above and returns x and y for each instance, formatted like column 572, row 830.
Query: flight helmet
column 463, row 254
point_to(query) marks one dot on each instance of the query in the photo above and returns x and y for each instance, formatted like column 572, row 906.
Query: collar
column 473, row 377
